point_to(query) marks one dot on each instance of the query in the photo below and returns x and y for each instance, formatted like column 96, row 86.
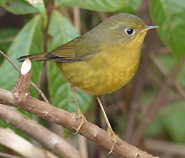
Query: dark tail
column 34, row 57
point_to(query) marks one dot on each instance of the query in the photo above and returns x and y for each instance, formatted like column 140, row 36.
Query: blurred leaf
column 169, row 15
column 174, row 121
column 17, row 6
column 171, row 120
column 43, row 122
column 7, row 36
column 2, row 48
column 154, row 128
column 147, row 97
column 61, row 31
column 181, row 77
column 30, row 115
column 168, row 62
column 39, row 5
column 97, row 5
column 131, row 6
column 28, row 41
column 121, row 125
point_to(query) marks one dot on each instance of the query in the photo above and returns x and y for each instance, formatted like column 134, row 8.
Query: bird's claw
column 83, row 120
column 114, row 137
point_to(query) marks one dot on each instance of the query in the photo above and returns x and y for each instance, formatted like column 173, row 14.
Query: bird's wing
column 79, row 49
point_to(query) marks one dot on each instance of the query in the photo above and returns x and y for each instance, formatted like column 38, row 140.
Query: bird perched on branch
column 102, row 60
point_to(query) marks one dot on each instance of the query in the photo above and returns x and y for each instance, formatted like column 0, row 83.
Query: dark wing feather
column 79, row 49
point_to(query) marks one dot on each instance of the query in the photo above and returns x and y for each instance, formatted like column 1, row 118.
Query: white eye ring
column 129, row 31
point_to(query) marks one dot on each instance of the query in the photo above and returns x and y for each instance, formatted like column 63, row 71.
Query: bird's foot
column 113, row 137
column 83, row 120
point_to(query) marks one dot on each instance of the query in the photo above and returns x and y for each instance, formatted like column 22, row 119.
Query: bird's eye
column 129, row 31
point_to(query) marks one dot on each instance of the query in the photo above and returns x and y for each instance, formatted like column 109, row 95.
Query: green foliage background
column 169, row 15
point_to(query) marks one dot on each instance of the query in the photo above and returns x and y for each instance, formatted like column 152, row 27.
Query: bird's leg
column 111, row 133
column 80, row 115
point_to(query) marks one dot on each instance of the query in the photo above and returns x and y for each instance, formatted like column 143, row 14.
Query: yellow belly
column 102, row 73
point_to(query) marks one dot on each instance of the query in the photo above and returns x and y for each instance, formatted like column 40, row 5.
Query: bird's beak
column 150, row 27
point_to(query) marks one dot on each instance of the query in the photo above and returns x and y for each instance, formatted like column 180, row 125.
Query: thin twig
column 76, row 13
column 32, row 83
column 164, row 71
column 40, row 92
column 10, row 61
column 165, row 147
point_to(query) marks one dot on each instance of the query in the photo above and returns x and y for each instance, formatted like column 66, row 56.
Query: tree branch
column 71, row 121
column 30, row 127
column 20, row 145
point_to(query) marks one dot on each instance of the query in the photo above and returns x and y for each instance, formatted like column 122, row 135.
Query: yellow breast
column 104, row 73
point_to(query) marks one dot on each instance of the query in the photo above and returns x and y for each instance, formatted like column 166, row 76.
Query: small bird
column 102, row 60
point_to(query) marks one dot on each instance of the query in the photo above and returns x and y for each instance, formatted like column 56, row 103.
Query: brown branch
column 13, row 141
column 24, row 80
column 69, row 121
column 66, row 119
column 30, row 127
column 157, row 104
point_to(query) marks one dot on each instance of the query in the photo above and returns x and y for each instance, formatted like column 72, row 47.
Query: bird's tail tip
column 34, row 57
